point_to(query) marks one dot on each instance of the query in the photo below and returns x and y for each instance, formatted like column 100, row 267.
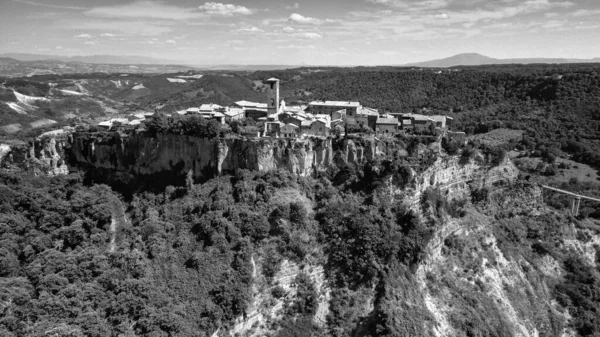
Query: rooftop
column 251, row 104
column 417, row 117
column 439, row 118
column 326, row 117
column 368, row 111
column 335, row 103
column 387, row 121
column 233, row 112
column 210, row 107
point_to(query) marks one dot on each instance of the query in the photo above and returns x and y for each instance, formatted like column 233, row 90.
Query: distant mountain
column 98, row 59
column 8, row 60
column 467, row 59
column 474, row 59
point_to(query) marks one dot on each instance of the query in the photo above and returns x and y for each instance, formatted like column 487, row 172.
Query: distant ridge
column 139, row 60
column 474, row 59
column 248, row 67
column 97, row 59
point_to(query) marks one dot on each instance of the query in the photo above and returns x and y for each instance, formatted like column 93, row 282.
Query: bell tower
column 272, row 95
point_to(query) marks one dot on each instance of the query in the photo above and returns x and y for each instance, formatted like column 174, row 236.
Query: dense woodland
column 182, row 263
column 182, row 260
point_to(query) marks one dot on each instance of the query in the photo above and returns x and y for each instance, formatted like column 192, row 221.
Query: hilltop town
column 317, row 118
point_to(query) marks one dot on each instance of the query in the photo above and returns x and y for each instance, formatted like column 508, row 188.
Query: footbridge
column 576, row 198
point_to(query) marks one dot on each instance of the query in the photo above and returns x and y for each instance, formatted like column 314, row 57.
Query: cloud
column 585, row 12
column 442, row 16
column 413, row 5
column 500, row 13
column 296, row 46
column 90, row 42
column 83, row 36
column 554, row 24
column 293, row 6
column 219, row 9
column 125, row 27
column 297, row 18
column 484, row 9
column 249, row 30
column 309, row 35
column 288, row 29
column 33, row 3
column 171, row 42
column 145, row 9
column 107, row 35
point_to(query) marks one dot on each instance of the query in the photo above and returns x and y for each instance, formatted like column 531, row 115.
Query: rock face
column 43, row 156
column 466, row 263
column 266, row 311
column 456, row 179
column 174, row 156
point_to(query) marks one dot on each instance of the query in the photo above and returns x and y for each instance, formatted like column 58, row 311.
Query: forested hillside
column 180, row 262
column 80, row 260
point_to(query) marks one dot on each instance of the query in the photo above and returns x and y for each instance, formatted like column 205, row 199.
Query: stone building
column 411, row 120
column 252, row 110
column 289, row 130
column 386, row 126
column 320, row 127
column 232, row 114
column 329, row 107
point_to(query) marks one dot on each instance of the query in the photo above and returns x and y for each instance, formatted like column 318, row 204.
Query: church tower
column 272, row 95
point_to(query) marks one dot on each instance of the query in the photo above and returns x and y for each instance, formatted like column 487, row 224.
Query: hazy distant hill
column 105, row 59
column 11, row 67
column 249, row 67
column 474, row 59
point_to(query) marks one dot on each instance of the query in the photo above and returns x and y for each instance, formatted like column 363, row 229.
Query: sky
column 311, row 32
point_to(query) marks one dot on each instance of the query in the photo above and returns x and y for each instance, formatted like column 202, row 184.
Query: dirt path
column 118, row 218
column 113, row 234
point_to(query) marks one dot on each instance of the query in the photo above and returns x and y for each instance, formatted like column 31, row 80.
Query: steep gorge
column 480, row 273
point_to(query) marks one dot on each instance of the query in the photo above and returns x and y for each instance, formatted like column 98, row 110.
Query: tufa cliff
column 144, row 159
column 42, row 156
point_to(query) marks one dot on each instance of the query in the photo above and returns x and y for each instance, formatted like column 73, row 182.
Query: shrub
column 432, row 199
column 278, row 292
column 480, row 195
column 579, row 293
column 449, row 146
column 298, row 213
